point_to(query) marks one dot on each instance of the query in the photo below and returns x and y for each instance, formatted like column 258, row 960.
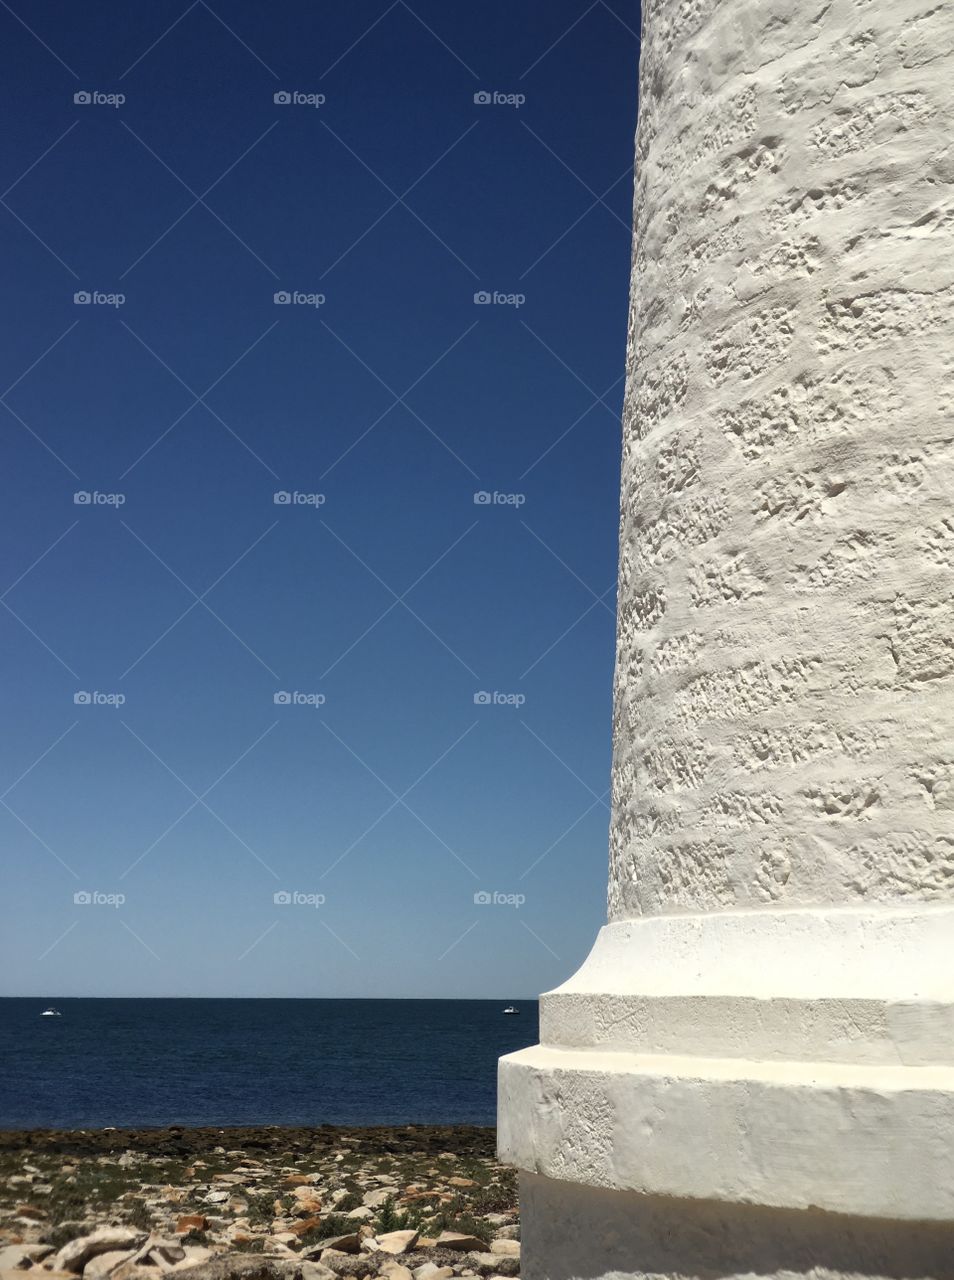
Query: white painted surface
column 768, row 1019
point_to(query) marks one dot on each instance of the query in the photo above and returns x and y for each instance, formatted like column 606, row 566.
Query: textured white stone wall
column 784, row 718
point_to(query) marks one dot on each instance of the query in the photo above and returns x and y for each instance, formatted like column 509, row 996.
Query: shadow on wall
column 572, row 1232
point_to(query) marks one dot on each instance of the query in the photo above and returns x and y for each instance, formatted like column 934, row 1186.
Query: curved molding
column 871, row 1141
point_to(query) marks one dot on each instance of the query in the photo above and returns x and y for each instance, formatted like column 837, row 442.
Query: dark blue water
column 140, row 1063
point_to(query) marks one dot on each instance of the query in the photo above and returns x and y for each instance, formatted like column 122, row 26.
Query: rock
column 459, row 1241
column 167, row 1252
column 133, row 1271
column 302, row 1226
column 482, row 1263
column 194, row 1254
column 314, row 1271
column 430, row 1271
column 230, row 1179
column 509, row 1248
column 46, row 1275
column 75, row 1255
column 461, row 1182
column 250, row 1266
column 362, row 1214
column 364, row 1265
column 191, row 1222
column 30, row 1211
column 217, row 1197
column 503, row 1265
column 396, row 1242
column 394, row 1271
column 375, row 1199
column 342, row 1244
column 368, row 1244
column 308, row 1201
column 280, row 1240
column 104, row 1263
column 299, row 1180
column 509, row 1230
column 15, row 1256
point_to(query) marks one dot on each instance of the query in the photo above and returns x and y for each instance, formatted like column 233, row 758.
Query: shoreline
column 266, row 1202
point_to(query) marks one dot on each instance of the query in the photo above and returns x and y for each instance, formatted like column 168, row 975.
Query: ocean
column 142, row 1063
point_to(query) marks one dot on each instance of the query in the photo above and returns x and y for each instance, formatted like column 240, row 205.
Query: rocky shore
column 409, row 1203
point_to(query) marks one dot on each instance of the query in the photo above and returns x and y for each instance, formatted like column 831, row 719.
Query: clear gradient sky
column 383, row 792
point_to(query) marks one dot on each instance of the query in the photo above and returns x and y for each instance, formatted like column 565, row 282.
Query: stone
column 16, row 1256
column 461, row 1242
column 374, row 1199
column 349, row 1243
column 395, row 1271
column 191, row 1222
column 193, row 1255
column 104, row 1263
column 131, row 1270
column 461, row 1182
column 250, row 1266
column 302, row 1226
column 397, row 1241
column 166, row 1252
column 431, row 1271
column 505, row 1247
column 76, row 1253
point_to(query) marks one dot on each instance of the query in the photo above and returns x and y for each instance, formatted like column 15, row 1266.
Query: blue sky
column 380, row 696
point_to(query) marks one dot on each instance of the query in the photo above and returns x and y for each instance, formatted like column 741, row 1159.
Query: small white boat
column 51, row 1013
column 511, row 1009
